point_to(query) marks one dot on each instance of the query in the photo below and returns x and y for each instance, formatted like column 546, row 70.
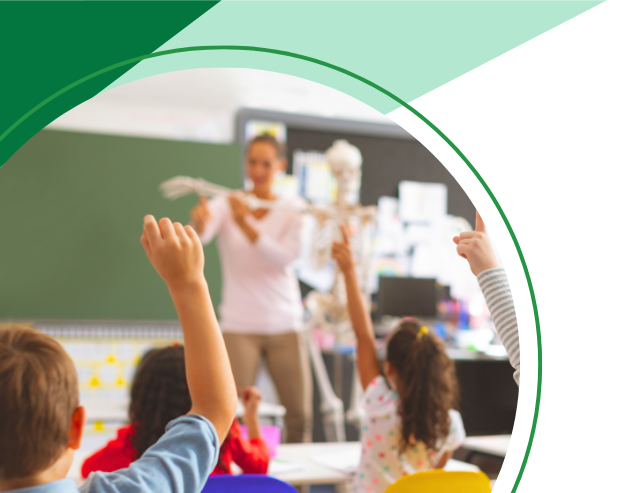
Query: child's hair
column 271, row 140
column 38, row 397
column 159, row 394
column 428, row 385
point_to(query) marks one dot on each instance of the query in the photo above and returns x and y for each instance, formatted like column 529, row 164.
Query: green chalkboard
column 71, row 209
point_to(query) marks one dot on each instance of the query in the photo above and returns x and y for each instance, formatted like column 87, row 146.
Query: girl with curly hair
column 409, row 424
column 159, row 394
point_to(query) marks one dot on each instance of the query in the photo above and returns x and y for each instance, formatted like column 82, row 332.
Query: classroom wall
column 71, row 209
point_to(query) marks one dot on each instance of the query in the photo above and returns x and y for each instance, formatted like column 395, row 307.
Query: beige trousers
column 288, row 364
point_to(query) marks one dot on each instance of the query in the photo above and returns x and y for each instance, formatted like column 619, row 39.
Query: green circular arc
column 388, row 94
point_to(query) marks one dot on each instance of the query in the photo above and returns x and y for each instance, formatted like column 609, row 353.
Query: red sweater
column 251, row 456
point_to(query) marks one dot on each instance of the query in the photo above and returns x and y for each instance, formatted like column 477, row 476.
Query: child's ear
column 78, row 420
column 283, row 164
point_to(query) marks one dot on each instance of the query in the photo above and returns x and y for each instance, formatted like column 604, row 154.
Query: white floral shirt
column 381, row 463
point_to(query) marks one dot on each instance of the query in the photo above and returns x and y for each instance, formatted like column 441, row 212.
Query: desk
column 492, row 445
column 311, row 472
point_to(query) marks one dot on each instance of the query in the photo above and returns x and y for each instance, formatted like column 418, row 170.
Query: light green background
column 408, row 48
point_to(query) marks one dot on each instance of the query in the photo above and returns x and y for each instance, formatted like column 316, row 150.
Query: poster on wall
column 390, row 238
column 422, row 202
column 314, row 174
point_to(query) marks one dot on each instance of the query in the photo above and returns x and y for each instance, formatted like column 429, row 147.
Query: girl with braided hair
column 159, row 394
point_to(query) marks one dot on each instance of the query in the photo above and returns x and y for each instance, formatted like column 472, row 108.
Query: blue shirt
column 180, row 462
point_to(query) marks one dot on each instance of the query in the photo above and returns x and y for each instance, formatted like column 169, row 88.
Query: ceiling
column 201, row 104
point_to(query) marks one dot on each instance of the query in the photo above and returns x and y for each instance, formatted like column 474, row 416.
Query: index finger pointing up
column 480, row 224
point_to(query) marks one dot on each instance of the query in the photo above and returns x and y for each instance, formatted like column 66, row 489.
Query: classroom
column 320, row 218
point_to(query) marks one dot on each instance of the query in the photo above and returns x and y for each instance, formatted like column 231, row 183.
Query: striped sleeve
column 494, row 285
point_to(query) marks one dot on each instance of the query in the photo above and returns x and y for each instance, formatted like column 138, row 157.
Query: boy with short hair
column 41, row 422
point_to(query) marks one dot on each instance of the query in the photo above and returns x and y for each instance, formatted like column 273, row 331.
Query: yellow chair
column 440, row 481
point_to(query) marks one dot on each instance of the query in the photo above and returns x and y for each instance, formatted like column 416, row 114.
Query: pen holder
column 271, row 435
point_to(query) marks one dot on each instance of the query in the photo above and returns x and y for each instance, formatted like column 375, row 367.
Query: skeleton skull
column 346, row 164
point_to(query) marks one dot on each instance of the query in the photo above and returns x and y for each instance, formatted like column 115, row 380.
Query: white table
column 343, row 456
column 493, row 445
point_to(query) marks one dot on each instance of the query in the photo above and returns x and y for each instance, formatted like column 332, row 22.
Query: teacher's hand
column 200, row 214
column 239, row 207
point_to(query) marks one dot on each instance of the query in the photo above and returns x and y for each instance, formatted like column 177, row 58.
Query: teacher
column 261, row 313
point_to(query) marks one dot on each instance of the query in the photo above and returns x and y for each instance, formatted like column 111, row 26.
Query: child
column 475, row 246
column 160, row 394
column 41, row 421
column 409, row 425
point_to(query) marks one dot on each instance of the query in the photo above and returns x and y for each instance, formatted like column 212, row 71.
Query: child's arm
column 367, row 361
column 475, row 246
column 177, row 255
column 443, row 460
column 182, row 459
column 251, row 455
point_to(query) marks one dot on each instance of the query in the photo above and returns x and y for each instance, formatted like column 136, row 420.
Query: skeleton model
column 328, row 311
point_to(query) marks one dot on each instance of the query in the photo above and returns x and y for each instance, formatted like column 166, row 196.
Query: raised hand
column 250, row 398
column 475, row 247
column 342, row 253
column 174, row 250
column 200, row 214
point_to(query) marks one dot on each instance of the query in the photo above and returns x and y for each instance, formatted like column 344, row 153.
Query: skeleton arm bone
column 184, row 185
